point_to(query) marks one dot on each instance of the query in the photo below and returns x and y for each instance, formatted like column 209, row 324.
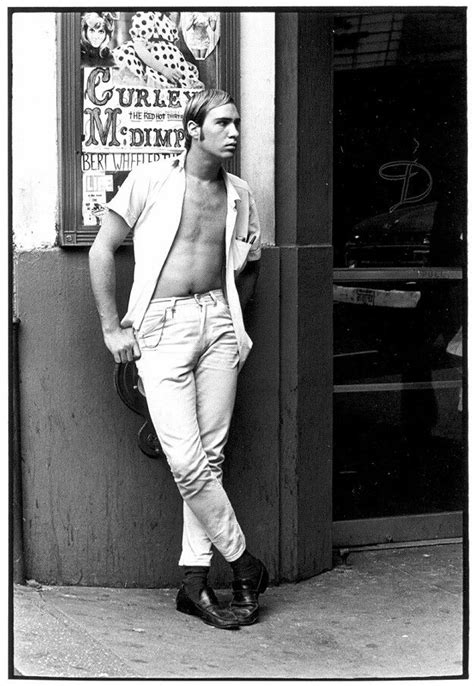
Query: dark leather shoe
column 245, row 596
column 208, row 609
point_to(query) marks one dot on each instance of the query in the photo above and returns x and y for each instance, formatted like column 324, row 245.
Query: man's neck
column 201, row 166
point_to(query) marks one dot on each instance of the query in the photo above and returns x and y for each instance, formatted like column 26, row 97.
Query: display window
column 399, row 256
column 125, row 80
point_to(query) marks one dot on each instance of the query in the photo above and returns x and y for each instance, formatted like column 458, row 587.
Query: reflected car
column 394, row 239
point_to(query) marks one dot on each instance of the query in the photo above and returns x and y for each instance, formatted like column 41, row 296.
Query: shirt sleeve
column 129, row 201
column 254, row 236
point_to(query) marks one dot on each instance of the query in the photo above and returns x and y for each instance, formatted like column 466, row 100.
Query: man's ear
column 193, row 130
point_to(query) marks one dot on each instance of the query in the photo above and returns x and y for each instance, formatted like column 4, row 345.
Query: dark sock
column 246, row 566
column 195, row 579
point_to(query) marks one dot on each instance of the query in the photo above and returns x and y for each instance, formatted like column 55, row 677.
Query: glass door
column 399, row 291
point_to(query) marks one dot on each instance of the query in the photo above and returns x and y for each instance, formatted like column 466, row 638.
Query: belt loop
column 196, row 298
column 213, row 297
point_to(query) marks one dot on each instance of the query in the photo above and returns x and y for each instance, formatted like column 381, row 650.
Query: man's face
column 220, row 131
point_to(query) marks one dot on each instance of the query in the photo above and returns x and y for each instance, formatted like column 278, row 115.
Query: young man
column 197, row 248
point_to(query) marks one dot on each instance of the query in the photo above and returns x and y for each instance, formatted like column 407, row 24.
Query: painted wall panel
column 96, row 510
column 314, row 467
column 303, row 221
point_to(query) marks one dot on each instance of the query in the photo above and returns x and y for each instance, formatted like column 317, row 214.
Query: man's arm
column 247, row 280
column 121, row 342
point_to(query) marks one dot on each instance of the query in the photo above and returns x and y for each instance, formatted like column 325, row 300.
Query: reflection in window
column 400, row 141
column 396, row 332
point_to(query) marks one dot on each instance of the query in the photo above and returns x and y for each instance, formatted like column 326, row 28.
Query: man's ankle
column 246, row 566
column 195, row 579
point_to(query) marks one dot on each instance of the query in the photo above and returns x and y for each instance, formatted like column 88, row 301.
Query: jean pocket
column 151, row 330
column 222, row 308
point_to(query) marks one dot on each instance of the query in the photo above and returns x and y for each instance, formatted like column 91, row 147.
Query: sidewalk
column 386, row 613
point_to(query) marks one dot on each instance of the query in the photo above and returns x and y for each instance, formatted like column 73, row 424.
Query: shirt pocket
column 240, row 253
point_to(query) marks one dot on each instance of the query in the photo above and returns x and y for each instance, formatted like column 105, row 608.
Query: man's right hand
column 122, row 344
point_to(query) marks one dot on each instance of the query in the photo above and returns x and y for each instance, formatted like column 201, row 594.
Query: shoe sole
column 248, row 622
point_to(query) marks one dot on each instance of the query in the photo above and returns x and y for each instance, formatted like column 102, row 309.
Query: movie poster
column 139, row 69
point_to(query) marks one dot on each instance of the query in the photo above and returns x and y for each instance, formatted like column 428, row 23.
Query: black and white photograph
column 237, row 342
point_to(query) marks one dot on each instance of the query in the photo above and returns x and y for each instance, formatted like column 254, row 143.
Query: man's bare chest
column 203, row 215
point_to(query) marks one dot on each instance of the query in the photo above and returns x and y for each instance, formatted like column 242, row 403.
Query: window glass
column 400, row 139
column 399, row 245
column 398, row 424
column 398, row 452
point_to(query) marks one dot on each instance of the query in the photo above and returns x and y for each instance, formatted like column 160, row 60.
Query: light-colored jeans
column 189, row 368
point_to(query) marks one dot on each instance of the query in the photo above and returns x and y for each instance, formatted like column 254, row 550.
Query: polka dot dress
column 157, row 33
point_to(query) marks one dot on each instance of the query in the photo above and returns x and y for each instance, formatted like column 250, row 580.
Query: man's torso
column 194, row 263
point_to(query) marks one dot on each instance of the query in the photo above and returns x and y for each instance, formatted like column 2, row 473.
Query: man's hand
column 246, row 282
column 122, row 344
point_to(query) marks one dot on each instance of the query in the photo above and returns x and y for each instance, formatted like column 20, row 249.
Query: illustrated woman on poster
column 151, row 56
column 200, row 32
column 97, row 29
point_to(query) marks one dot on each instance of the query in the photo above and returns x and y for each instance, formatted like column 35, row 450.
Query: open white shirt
column 150, row 201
